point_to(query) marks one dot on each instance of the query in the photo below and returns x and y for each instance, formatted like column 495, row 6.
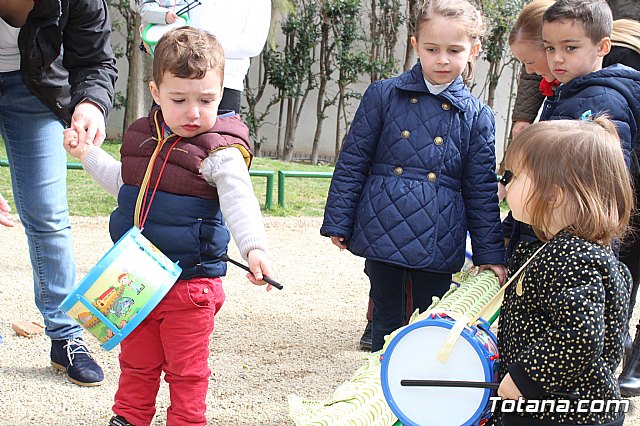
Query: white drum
column 412, row 355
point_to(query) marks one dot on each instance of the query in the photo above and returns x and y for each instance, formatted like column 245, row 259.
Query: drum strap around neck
column 491, row 306
column 142, row 208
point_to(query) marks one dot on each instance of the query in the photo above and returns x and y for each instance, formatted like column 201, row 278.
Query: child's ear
column 604, row 47
column 155, row 93
column 414, row 43
column 476, row 49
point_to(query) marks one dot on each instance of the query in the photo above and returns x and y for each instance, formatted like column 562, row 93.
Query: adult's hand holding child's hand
column 260, row 265
column 76, row 149
column 88, row 121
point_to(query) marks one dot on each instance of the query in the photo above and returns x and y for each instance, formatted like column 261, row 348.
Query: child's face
column 444, row 49
column 570, row 53
column 518, row 191
column 533, row 58
column 189, row 106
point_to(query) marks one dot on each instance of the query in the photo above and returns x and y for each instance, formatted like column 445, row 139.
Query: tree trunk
column 493, row 82
column 320, row 116
column 280, row 121
column 338, row 145
column 137, row 87
column 409, row 60
column 287, row 152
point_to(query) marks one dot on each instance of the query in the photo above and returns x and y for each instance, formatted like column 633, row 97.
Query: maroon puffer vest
column 182, row 172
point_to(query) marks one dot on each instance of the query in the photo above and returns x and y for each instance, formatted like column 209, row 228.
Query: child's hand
column 499, row 270
column 260, row 265
column 508, row 389
column 74, row 147
column 5, row 217
column 339, row 242
column 170, row 17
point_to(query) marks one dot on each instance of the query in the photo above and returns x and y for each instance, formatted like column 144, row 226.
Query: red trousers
column 174, row 338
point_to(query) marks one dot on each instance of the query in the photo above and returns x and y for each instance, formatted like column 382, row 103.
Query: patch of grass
column 304, row 196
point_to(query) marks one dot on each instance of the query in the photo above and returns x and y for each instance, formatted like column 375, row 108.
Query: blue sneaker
column 72, row 356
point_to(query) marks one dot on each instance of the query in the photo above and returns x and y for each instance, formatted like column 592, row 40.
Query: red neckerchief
column 548, row 87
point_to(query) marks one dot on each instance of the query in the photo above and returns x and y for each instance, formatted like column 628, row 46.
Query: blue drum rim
column 438, row 322
column 105, row 261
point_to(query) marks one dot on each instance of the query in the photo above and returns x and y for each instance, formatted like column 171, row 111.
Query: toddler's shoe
column 72, row 356
column 119, row 421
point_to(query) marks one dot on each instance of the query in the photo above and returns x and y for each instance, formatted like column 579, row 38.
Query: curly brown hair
column 187, row 52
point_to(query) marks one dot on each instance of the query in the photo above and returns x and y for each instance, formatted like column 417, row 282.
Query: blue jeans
column 37, row 159
column 389, row 295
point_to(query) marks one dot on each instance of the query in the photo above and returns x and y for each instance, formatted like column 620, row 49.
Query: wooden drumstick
column 266, row 279
column 467, row 384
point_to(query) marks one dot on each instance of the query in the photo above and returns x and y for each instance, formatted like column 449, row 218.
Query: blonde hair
column 528, row 26
column 626, row 33
column 583, row 161
column 187, row 52
column 460, row 10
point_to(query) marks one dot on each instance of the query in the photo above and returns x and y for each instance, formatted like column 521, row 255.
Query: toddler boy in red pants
column 196, row 160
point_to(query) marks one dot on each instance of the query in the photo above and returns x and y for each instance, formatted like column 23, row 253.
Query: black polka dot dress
column 561, row 327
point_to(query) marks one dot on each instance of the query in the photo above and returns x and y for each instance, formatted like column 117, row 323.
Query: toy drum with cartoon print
column 152, row 33
column 412, row 355
column 121, row 289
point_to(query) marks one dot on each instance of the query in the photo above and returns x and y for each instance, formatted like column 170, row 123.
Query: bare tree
column 409, row 54
column 385, row 19
column 136, row 100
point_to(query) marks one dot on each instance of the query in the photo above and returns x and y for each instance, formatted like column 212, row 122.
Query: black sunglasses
column 506, row 177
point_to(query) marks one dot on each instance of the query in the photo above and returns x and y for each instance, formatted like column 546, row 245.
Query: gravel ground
column 302, row 340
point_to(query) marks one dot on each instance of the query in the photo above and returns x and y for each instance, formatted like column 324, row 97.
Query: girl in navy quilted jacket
column 417, row 171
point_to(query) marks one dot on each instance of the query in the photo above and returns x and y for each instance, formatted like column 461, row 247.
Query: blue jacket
column 614, row 90
column 188, row 230
column 415, row 172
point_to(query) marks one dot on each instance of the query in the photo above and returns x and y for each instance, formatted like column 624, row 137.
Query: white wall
column 306, row 128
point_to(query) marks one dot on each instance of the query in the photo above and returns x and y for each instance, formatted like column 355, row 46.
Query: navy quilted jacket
column 416, row 171
column 614, row 90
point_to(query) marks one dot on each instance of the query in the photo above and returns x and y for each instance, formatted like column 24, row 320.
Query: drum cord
column 140, row 214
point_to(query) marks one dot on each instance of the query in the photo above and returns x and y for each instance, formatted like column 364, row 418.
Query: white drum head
column 412, row 355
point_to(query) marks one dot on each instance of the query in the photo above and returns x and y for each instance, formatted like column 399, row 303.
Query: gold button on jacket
column 398, row 171
column 431, row 176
